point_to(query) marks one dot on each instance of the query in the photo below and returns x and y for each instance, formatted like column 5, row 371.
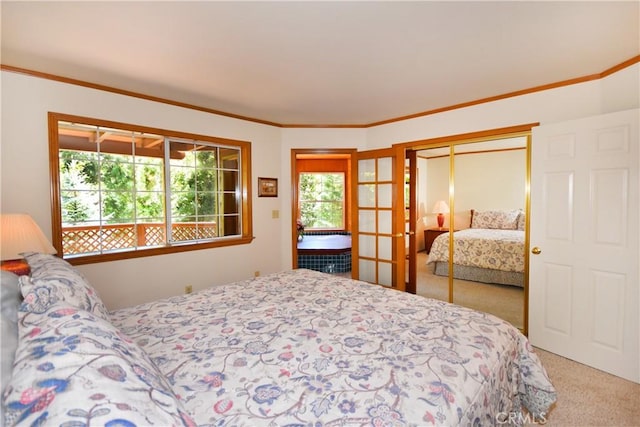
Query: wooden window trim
column 56, row 208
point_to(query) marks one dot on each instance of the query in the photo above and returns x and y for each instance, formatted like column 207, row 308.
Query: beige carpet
column 589, row 397
column 506, row 302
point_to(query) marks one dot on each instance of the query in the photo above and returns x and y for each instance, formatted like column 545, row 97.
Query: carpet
column 506, row 302
column 588, row 396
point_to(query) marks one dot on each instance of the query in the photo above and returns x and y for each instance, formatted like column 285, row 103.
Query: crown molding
column 105, row 88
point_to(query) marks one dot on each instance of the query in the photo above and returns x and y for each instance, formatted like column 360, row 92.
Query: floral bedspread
column 481, row 247
column 306, row 348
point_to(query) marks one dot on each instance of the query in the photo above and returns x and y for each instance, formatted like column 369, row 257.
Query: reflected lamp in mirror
column 440, row 208
column 19, row 233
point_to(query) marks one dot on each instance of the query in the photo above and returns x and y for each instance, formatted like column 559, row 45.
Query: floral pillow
column 502, row 220
column 74, row 368
column 54, row 280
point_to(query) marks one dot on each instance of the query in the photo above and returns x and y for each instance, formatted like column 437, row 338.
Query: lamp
column 440, row 208
column 19, row 233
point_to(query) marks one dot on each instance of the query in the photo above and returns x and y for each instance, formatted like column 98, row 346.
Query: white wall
column 24, row 165
column 436, row 188
column 619, row 91
column 500, row 186
column 25, row 185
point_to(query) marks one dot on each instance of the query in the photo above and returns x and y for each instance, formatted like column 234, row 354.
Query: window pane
column 117, row 237
column 198, row 185
column 183, row 231
column 113, row 196
column 153, row 233
column 182, row 178
column 179, row 154
column 117, row 207
column 230, row 180
column 206, row 204
column 231, row 225
column 322, row 200
column 149, row 177
column 183, row 206
column 366, row 170
column 230, row 158
column 79, row 207
column 207, row 227
column 149, row 206
column 117, row 175
column 78, row 170
column 206, row 158
column 231, row 203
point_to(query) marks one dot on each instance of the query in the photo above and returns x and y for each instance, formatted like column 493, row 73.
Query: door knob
column 536, row 250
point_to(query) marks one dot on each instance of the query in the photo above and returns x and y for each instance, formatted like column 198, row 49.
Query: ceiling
column 320, row 63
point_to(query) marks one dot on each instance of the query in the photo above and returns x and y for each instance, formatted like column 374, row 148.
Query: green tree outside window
column 322, row 200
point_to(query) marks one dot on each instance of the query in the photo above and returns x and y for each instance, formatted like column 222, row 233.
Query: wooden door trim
column 294, row 191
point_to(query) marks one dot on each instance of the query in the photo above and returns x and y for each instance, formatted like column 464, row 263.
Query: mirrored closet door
column 489, row 200
column 479, row 190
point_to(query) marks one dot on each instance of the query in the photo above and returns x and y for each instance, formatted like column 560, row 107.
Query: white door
column 583, row 283
column 378, row 237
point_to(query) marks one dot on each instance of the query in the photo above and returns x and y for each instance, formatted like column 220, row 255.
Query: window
column 122, row 191
column 322, row 200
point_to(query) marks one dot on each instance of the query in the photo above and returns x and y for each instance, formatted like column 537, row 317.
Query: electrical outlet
column 188, row 289
column 256, row 273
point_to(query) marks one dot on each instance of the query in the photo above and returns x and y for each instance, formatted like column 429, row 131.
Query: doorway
column 321, row 209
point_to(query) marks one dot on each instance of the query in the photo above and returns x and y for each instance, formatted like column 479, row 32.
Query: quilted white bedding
column 297, row 348
column 484, row 248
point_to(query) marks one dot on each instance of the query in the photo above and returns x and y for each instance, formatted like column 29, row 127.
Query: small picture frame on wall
column 267, row 187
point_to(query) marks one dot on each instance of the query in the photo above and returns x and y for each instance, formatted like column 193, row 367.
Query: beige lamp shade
column 440, row 207
column 19, row 233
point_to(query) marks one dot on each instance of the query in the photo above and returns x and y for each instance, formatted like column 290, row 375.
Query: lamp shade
column 440, row 207
column 19, row 233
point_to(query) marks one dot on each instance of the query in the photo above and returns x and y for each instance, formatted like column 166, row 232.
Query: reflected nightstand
column 430, row 235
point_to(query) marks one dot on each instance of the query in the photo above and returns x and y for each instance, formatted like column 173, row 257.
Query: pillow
column 10, row 300
column 521, row 221
column 54, row 280
column 504, row 220
column 75, row 368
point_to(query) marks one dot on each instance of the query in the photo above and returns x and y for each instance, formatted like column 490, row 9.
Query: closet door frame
column 451, row 141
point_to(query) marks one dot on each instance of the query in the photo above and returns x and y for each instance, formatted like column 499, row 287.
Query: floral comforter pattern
column 480, row 247
column 302, row 347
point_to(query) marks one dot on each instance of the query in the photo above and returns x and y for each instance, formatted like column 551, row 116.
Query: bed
column 295, row 348
column 490, row 251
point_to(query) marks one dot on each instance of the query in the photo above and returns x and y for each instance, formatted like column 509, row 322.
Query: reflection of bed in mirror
column 491, row 251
